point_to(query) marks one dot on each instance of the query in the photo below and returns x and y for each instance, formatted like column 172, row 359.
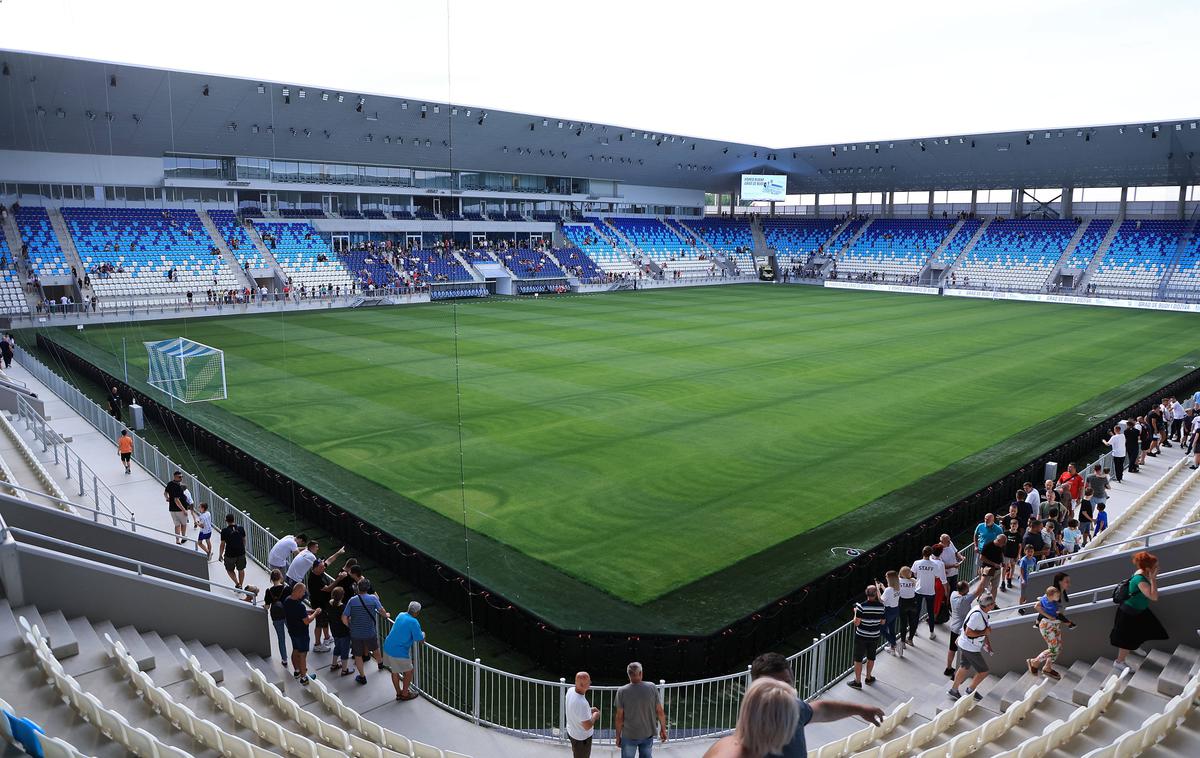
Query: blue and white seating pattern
column 725, row 235
column 297, row 247
column 432, row 266
column 588, row 238
column 651, row 236
column 795, row 239
column 895, row 247
column 530, row 264
column 1138, row 256
column 1089, row 242
column 44, row 253
column 370, row 269
column 232, row 231
column 577, row 263
column 12, row 296
column 959, row 241
column 147, row 244
column 447, row 293
column 1016, row 254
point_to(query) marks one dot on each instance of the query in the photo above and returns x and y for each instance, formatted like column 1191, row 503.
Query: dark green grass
column 650, row 444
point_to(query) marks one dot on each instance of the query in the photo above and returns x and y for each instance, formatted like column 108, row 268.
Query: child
column 1101, row 518
column 339, row 631
column 204, row 524
column 1050, row 621
column 1025, row 566
column 1071, row 537
column 1085, row 517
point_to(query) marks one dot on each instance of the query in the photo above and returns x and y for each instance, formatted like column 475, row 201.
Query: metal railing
column 1143, row 540
column 1093, row 595
column 91, row 487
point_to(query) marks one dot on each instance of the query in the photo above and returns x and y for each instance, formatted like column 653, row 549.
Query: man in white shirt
column 974, row 640
column 284, row 551
column 300, row 566
column 951, row 557
column 1033, row 497
column 927, row 571
column 581, row 717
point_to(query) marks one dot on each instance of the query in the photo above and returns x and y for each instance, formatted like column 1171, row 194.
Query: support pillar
column 1067, row 204
column 1122, row 205
column 1181, row 210
column 929, row 205
column 1018, row 203
column 974, row 198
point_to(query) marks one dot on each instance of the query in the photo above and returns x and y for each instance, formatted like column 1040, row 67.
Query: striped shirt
column 870, row 616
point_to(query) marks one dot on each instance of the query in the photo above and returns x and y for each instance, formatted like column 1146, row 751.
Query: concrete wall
column 82, row 588
column 99, row 536
column 10, row 393
column 1110, row 569
column 72, row 168
column 1015, row 639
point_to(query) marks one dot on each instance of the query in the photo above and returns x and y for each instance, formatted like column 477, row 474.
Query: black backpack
column 1121, row 593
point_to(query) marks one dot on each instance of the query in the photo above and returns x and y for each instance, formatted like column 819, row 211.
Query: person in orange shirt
column 125, row 448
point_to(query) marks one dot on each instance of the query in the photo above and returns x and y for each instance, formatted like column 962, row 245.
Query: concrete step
column 236, row 678
column 30, row 614
column 1044, row 714
column 1092, row 681
column 1147, row 668
column 1125, row 713
column 243, row 663
column 10, row 640
column 1018, row 689
column 187, row 693
column 192, row 647
column 58, row 632
column 90, row 653
column 136, row 645
column 168, row 669
column 103, row 628
column 1178, row 671
column 1184, row 742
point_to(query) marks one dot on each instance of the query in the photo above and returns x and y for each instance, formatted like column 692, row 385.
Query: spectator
column 868, row 623
column 991, row 562
column 273, row 599
column 768, row 719
column 1071, row 537
column 910, row 610
column 1012, row 553
column 638, row 710
column 1033, row 498
column 178, row 507
column 775, row 666
column 961, row 601
column 361, row 616
column 1086, row 517
column 125, row 449
column 306, row 560
column 282, row 552
column 297, row 616
column 1074, row 486
column 1050, row 621
column 1135, row 624
column 399, row 649
column 974, row 641
column 338, row 631
column 581, row 717
column 890, row 597
column 204, row 525
column 1035, row 539
column 114, row 403
column 987, row 531
column 1098, row 482
column 951, row 557
column 1116, row 440
column 1101, row 518
column 319, row 585
column 1135, row 451
column 928, row 572
column 233, row 551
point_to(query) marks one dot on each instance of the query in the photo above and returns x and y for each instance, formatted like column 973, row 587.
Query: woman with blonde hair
column 766, row 722
column 910, row 612
column 1135, row 624
column 889, row 595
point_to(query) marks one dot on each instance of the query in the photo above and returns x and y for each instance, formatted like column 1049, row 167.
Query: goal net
column 187, row 371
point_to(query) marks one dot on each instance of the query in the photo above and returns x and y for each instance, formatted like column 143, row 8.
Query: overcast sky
column 779, row 74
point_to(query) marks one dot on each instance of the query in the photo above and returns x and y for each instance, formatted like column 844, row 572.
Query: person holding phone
column 1135, row 624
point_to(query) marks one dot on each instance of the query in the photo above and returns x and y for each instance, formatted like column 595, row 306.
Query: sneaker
column 360, row 679
column 869, row 680
column 855, row 684
column 949, row 672
column 932, row 635
column 304, row 681
column 953, row 693
column 975, row 695
column 324, row 647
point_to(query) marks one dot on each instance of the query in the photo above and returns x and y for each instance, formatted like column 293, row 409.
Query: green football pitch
column 662, row 460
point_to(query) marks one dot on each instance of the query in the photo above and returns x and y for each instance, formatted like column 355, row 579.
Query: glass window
column 994, row 196
column 1159, row 194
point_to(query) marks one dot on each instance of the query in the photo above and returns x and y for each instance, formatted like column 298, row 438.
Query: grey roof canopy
column 57, row 104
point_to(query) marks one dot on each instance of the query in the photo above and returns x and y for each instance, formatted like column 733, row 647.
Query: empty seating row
column 956, row 244
column 449, row 293
column 303, row 254
column 12, row 295
column 1089, row 242
column 895, row 246
column 237, row 239
column 650, row 235
column 725, row 235
column 592, row 240
column 1139, row 254
column 795, row 239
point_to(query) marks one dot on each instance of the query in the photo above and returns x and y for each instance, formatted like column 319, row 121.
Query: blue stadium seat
column 304, row 255
column 1138, row 257
column 44, row 253
column 894, row 247
column 1015, row 254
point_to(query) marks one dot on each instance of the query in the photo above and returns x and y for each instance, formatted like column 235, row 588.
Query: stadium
column 584, row 392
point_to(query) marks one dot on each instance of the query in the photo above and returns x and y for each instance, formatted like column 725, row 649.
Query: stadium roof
column 57, row 104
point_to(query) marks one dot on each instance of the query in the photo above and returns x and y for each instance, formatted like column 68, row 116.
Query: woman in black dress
column 1135, row 624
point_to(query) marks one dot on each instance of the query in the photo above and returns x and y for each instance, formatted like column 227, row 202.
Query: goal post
column 188, row 371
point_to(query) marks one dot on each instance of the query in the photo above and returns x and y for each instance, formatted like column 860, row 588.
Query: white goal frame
column 185, row 369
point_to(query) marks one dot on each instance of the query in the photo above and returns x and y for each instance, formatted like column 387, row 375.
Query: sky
column 778, row 74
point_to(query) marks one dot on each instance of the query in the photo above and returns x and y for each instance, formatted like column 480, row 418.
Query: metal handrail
column 1095, row 592
column 1144, row 539
column 139, row 564
column 50, row 438
column 96, row 514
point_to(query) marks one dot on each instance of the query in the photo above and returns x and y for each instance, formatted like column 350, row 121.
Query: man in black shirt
column 1024, row 510
column 179, row 507
column 1035, row 539
column 233, row 551
column 991, row 562
column 114, row 403
column 1133, row 450
column 297, row 618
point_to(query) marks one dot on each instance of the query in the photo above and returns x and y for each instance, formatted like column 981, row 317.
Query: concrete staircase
column 1068, row 251
column 1172, row 501
column 701, row 243
column 472, row 270
column 621, row 240
column 967, row 249
column 68, row 245
column 836, row 233
column 1185, row 244
column 267, row 255
column 12, row 235
column 837, row 254
column 1101, row 251
column 240, row 274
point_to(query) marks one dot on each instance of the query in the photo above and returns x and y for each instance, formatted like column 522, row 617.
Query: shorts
column 300, row 642
column 203, row 536
column 126, row 457
column 1085, row 528
column 235, row 563
column 1010, row 560
column 971, row 660
column 865, row 648
column 180, row 518
column 365, row 647
column 322, row 621
column 398, row 665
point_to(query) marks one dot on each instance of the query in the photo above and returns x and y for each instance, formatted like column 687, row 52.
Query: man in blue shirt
column 987, row 532
column 361, row 615
column 398, row 649
column 776, row 666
